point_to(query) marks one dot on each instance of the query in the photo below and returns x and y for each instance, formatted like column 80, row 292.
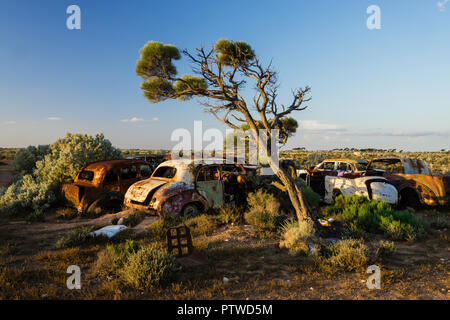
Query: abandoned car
column 187, row 187
column 102, row 185
column 373, row 188
column 413, row 180
column 315, row 176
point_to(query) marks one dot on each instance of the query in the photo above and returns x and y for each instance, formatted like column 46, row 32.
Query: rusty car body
column 413, row 180
column 187, row 187
column 373, row 188
column 102, row 185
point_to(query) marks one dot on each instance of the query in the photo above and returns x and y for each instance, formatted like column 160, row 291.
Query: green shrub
column 386, row 248
column 264, row 210
column 26, row 158
column 231, row 215
column 375, row 217
column 295, row 236
column 111, row 260
column 348, row 254
column 27, row 194
column 69, row 154
column 74, row 237
column 36, row 192
column 312, row 197
column 200, row 225
column 148, row 267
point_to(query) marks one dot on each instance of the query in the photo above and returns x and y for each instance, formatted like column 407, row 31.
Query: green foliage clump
column 74, row 238
column 200, row 225
column 233, row 52
column 69, row 154
column 295, row 236
column 264, row 210
column 148, row 267
column 36, row 192
column 231, row 215
column 348, row 254
column 386, row 248
column 312, row 197
column 189, row 83
column 26, row 158
column 27, row 194
column 111, row 260
column 376, row 217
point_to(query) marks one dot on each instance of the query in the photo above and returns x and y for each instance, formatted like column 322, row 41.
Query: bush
column 312, row 197
column 375, row 217
column 74, row 238
column 386, row 248
column 111, row 260
column 148, row 267
column 36, row 192
column 200, row 225
column 348, row 254
column 264, row 210
column 231, row 215
column 69, row 154
column 295, row 236
column 27, row 194
column 26, row 158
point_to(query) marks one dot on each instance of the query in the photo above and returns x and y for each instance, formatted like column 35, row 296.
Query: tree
column 221, row 74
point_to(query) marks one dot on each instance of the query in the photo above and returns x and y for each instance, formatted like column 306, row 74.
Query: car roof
column 345, row 160
column 195, row 162
column 110, row 164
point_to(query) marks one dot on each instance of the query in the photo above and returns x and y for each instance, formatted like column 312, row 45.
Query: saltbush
column 150, row 266
column 295, row 236
column 311, row 196
column 375, row 217
column 263, row 210
column 348, row 254
column 26, row 158
column 35, row 192
column 27, row 194
column 74, row 238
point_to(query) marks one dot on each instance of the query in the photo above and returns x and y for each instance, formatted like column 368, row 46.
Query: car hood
column 140, row 190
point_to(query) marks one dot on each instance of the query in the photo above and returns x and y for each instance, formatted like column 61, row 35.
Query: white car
column 374, row 188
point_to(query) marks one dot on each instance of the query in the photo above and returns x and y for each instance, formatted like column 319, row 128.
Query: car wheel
column 190, row 210
column 409, row 198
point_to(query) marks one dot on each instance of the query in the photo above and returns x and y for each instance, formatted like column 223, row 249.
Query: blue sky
column 387, row 88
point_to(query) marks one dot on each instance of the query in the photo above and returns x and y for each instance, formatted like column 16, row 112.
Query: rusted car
column 413, row 180
column 102, row 185
column 373, row 188
column 187, row 187
column 315, row 176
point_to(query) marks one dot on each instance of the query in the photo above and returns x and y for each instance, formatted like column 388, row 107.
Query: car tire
column 190, row 210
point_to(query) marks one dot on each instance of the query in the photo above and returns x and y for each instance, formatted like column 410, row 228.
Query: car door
column 209, row 185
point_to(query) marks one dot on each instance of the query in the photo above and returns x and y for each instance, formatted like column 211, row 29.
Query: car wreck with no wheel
column 101, row 185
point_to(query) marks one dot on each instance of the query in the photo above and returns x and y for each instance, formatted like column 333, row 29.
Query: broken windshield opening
column 86, row 175
column 164, row 172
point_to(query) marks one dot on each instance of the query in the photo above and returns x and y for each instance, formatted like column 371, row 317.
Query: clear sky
column 386, row 88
